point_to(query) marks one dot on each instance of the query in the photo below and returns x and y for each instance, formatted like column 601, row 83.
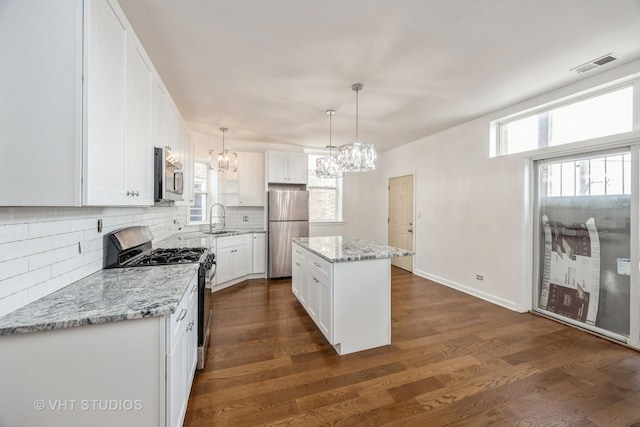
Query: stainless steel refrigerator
column 288, row 218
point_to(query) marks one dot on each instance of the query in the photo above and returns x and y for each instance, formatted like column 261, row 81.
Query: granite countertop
column 105, row 296
column 341, row 249
column 199, row 238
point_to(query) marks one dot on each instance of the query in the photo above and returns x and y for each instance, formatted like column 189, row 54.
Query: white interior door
column 401, row 218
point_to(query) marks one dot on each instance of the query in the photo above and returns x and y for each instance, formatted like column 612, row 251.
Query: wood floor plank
column 455, row 360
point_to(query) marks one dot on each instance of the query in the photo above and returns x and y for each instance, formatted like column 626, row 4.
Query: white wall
column 468, row 211
column 44, row 249
column 471, row 207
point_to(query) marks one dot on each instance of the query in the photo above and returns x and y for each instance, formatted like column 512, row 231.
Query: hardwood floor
column 455, row 360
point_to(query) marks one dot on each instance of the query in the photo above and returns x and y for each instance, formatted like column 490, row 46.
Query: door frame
column 415, row 217
column 529, row 227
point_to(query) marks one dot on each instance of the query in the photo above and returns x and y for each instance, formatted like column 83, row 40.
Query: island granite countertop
column 343, row 249
column 105, row 296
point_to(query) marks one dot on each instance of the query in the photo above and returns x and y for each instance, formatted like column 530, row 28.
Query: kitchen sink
column 218, row 232
column 191, row 235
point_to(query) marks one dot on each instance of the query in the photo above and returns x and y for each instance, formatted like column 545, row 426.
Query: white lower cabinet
column 239, row 258
column 325, row 312
column 350, row 302
column 122, row 373
column 299, row 276
column 259, row 253
column 182, row 343
column 312, row 284
column 233, row 257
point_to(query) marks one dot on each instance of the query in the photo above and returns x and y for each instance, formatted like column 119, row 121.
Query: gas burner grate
column 171, row 256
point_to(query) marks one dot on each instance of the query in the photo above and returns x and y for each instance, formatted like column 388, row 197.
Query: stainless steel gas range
column 132, row 247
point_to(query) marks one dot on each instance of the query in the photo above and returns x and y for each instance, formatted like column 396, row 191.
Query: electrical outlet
column 479, row 277
column 100, row 226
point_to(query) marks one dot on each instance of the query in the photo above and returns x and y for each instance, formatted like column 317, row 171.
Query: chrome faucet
column 223, row 216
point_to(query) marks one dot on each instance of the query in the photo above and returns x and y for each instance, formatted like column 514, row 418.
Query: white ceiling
column 268, row 69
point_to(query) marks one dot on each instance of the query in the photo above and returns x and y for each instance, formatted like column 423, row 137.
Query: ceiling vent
column 595, row 63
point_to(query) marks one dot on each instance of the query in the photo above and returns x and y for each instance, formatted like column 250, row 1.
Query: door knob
column 410, row 230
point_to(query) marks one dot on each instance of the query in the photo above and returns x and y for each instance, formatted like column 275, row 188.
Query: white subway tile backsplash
column 13, row 232
column 13, row 302
column 235, row 217
column 14, row 250
column 48, row 228
column 51, row 257
column 44, row 249
column 13, row 267
column 17, row 283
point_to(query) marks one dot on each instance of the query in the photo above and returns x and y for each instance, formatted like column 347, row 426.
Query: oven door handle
column 212, row 273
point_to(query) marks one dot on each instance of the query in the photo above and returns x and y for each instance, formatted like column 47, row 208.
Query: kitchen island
column 344, row 284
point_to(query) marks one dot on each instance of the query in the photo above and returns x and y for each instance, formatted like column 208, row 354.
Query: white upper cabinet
column 244, row 187
column 139, row 135
column 287, row 167
column 80, row 112
column 185, row 159
column 251, row 188
column 105, row 84
column 41, row 107
column 159, row 112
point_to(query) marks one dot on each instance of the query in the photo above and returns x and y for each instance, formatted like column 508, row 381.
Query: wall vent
column 595, row 63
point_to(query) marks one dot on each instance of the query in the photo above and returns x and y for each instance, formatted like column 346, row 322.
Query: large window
column 325, row 195
column 603, row 114
column 198, row 212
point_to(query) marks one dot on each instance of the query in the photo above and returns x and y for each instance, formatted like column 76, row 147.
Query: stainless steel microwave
column 168, row 180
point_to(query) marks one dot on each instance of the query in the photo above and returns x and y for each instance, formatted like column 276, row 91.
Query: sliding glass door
column 582, row 241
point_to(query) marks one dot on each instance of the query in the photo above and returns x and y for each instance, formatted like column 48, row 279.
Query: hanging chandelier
column 227, row 160
column 329, row 167
column 357, row 156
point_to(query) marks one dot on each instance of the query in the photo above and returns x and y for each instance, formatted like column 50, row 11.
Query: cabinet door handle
column 195, row 288
column 183, row 313
column 297, row 264
column 129, row 193
column 316, row 264
column 190, row 326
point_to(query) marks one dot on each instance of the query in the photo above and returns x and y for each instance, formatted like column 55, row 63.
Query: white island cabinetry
column 345, row 286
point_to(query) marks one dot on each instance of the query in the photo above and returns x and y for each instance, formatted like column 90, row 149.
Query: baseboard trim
column 236, row 281
column 511, row 305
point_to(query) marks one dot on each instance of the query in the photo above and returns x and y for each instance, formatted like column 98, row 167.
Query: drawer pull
column 195, row 288
column 190, row 326
column 183, row 313
column 317, row 265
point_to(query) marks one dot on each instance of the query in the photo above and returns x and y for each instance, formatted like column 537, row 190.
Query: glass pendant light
column 329, row 167
column 358, row 156
column 227, row 160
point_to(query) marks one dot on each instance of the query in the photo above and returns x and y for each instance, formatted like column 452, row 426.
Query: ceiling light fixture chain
column 357, row 87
